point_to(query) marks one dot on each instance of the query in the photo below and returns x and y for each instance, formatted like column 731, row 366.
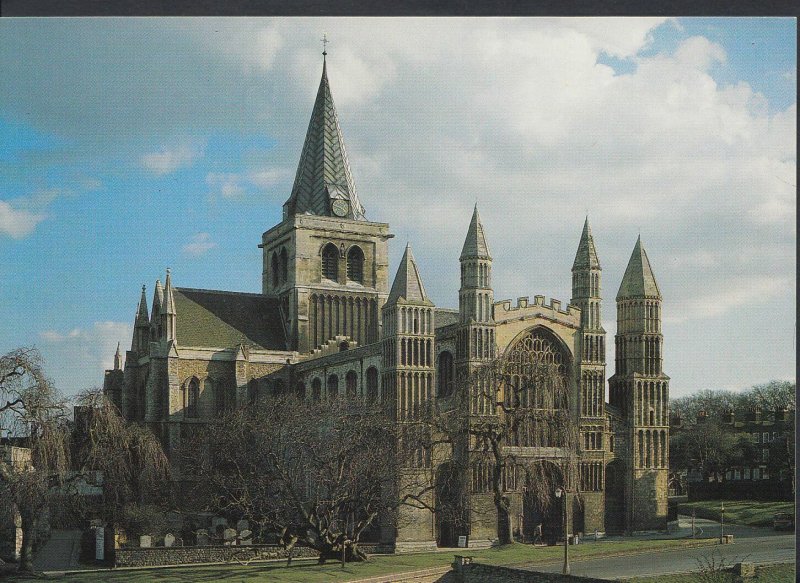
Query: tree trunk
column 29, row 523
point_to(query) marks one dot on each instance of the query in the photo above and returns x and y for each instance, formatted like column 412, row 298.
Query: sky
column 131, row 145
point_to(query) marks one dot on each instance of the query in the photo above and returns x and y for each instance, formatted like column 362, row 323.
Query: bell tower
column 325, row 263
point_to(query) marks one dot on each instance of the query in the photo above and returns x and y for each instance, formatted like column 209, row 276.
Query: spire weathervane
column 325, row 42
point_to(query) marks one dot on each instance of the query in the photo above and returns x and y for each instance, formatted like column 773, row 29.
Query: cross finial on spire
column 325, row 42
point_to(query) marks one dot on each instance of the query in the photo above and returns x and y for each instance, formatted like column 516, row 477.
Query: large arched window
column 351, row 384
column 192, row 396
column 445, row 374
column 333, row 386
column 330, row 262
column 372, row 385
column 355, row 264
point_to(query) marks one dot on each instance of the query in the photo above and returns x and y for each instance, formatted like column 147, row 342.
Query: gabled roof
column 323, row 174
column 475, row 245
column 586, row 257
column 638, row 281
column 223, row 319
column 408, row 283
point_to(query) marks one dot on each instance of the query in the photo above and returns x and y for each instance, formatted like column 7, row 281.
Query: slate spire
column 638, row 281
column 586, row 257
column 475, row 245
column 323, row 174
column 408, row 283
column 142, row 318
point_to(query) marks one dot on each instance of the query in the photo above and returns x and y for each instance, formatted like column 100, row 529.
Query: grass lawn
column 784, row 573
column 378, row 565
column 746, row 512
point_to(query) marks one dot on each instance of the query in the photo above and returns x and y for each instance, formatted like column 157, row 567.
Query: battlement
column 524, row 304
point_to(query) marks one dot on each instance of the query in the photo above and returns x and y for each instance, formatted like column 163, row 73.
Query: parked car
column 783, row 521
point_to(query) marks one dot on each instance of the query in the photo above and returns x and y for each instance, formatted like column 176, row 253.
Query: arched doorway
column 449, row 507
column 541, row 509
column 615, row 497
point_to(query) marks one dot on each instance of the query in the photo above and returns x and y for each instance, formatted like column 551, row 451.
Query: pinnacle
column 407, row 282
column 638, row 281
column 586, row 256
column 475, row 245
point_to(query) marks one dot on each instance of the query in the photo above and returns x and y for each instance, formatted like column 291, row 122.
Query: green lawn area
column 746, row 512
column 378, row 565
column 784, row 573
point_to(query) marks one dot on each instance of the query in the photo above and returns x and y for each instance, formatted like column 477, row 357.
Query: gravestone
column 246, row 537
column 145, row 541
column 462, row 542
column 178, row 541
column 217, row 521
column 202, row 538
column 229, row 535
column 243, row 525
column 100, row 543
column 169, row 539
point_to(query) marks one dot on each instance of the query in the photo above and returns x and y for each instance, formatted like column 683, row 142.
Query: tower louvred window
column 330, row 262
column 355, row 265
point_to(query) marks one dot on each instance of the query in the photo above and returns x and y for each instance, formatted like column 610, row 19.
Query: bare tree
column 33, row 417
column 315, row 473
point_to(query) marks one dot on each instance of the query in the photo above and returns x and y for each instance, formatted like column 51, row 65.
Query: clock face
column 340, row 207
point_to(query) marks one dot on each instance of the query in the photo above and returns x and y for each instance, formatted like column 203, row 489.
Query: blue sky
column 132, row 145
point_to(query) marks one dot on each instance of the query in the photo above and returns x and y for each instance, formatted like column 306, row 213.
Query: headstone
column 246, row 537
column 169, row 539
column 100, row 543
column 229, row 535
column 462, row 542
column 178, row 542
column 202, row 537
column 145, row 541
column 243, row 525
column 218, row 521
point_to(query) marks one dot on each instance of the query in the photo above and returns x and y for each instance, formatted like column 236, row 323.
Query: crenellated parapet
column 524, row 309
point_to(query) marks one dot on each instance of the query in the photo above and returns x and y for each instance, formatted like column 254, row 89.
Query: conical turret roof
column 168, row 306
column 142, row 318
column 408, row 283
column 638, row 281
column 475, row 245
column 323, row 175
column 586, row 257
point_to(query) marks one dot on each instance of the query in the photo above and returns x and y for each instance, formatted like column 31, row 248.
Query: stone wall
column 158, row 556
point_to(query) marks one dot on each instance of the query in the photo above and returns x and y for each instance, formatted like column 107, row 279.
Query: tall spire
column 408, row 283
column 158, row 300
column 586, row 257
column 638, row 281
column 323, row 184
column 118, row 359
column 475, row 244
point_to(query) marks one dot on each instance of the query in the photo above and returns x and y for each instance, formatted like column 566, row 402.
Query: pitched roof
column 475, row 244
column 586, row 257
column 407, row 283
column 446, row 317
column 638, row 281
column 225, row 319
column 323, row 173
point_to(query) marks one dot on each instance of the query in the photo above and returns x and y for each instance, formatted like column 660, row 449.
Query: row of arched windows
column 332, row 315
column 652, row 407
column 414, row 389
column 592, row 393
column 330, row 263
column 476, row 342
column 585, row 284
column 652, row 449
column 639, row 316
column 351, row 387
column 638, row 354
column 415, row 352
column 593, row 348
column 215, row 396
column 591, row 478
column 593, row 439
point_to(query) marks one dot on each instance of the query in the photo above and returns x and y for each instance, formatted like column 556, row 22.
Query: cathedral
column 328, row 322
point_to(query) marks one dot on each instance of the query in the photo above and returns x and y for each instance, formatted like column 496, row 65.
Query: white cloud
column 269, row 178
column 18, row 223
column 168, row 160
column 84, row 349
column 199, row 244
column 226, row 185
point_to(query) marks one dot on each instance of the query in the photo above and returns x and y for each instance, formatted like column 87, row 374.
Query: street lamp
column 562, row 493
column 722, row 523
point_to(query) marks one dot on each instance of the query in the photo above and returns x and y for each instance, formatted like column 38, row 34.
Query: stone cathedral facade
column 328, row 323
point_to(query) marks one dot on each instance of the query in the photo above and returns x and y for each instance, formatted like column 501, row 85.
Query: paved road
column 758, row 545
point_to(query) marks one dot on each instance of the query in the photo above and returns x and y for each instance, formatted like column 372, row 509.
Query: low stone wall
column 160, row 556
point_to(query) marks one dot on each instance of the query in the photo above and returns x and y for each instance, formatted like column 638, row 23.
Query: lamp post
column 722, row 523
column 562, row 493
